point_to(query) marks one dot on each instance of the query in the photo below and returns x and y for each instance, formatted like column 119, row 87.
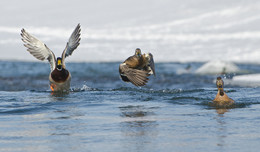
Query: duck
column 137, row 68
column 59, row 77
column 221, row 98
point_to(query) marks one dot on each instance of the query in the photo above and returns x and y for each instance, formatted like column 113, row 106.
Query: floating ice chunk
column 218, row 67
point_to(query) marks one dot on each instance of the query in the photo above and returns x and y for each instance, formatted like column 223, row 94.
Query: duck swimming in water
column 221, row 98
column 137, row 68
column 59, row 76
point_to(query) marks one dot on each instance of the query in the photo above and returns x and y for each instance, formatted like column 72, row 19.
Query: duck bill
column 59, row 65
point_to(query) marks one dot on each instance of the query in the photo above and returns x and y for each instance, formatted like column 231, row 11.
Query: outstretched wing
column 135, row 76
column 132, row 62
column 38, row 49
column 151, row 63
column 72, row 44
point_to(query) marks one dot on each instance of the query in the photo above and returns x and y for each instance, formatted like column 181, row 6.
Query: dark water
column 101, row 113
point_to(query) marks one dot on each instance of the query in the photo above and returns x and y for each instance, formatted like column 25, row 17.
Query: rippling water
column 101, row 113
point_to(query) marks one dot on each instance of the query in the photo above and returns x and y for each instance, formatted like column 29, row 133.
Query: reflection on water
column 221, row 111
column 139, row 128
column 60, row 126
column 221, row 128
column 58, row 95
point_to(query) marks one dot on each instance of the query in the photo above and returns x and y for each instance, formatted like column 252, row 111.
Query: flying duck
column 137, row 68
column 221, row 98
column 59, row 76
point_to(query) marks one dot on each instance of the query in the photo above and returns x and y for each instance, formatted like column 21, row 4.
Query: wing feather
column 151, row 63
column 38, row 49
column 135, row 76
column 132, row 62
column 72, row 44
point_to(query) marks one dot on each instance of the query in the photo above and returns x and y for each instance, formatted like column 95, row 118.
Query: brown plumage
column 60, row 76
column 221, row 98
column 137, row 68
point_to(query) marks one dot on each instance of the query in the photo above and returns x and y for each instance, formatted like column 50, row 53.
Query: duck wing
column 72, row 44
column 133, row 62
column 135, row 76
column 38, row 49
column 151, row 63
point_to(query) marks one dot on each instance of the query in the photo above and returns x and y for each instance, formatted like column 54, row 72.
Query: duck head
column 138, row 52
column 59, row 64
column 219, row 83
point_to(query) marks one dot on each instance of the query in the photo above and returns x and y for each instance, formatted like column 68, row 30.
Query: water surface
column 101, row 113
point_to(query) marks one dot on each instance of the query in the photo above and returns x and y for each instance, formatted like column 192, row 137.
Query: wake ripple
column 164, row 91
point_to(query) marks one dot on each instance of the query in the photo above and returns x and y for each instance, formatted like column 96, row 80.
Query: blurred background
column 174, row 31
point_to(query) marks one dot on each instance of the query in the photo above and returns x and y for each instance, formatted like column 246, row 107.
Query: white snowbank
column 218, row 67
column 249, row 80
column 227, row 30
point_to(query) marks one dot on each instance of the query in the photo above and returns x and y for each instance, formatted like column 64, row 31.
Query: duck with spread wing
column 59, row 76
column 137, row 68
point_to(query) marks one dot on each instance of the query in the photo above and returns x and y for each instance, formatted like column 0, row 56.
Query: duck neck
column 221, row 91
